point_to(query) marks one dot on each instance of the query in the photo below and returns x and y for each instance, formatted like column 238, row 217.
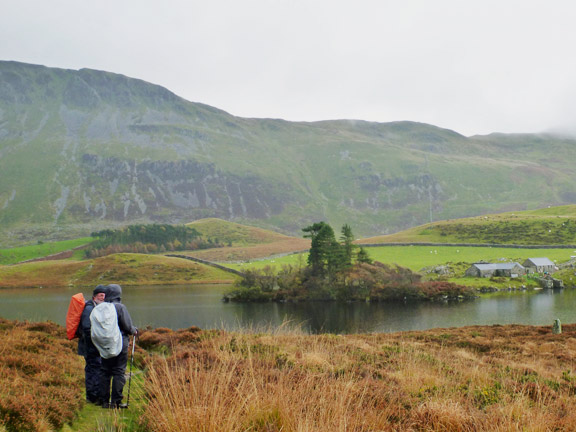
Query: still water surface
column 200, row 305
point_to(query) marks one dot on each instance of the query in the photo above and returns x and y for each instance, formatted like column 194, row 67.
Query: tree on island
column 326, row 255
column 363, row 256
column 335, row 271
column 348, row 247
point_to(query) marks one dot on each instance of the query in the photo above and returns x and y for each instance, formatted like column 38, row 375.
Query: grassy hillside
column 548, row 226
column 85, row 150
column 235, row 234
column 125, row 269
column 19, row 254
column 245, row 242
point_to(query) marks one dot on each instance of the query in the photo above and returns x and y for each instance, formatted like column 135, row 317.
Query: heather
column 41, row 377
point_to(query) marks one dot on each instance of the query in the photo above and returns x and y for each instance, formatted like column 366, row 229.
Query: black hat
column 99, row 289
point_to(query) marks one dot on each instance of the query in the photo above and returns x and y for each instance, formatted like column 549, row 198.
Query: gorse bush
column 41, row 377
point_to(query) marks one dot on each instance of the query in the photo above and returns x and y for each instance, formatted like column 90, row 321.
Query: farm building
column 539, row 265
column 488, row 270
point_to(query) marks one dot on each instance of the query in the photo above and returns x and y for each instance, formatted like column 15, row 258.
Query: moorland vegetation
column 480, row 378
column 41, row 380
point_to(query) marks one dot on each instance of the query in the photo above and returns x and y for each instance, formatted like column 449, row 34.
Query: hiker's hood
column 113, row 293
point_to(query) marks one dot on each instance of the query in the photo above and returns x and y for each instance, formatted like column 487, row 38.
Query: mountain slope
column 82, row 150
column 549, row 226
column 235, row 234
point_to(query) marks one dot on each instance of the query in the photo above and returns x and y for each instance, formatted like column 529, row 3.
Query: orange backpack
column 74, row 314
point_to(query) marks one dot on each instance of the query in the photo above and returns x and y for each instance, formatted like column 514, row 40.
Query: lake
column 200, row 305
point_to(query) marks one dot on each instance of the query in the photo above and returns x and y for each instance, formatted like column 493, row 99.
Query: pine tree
column 348, row 247
column 363, row 256
column 325, row 252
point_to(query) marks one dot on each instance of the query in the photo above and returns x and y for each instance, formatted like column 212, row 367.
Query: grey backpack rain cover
column 105, row 332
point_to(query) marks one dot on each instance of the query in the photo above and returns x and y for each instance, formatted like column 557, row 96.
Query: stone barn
column 539, row 265
column 488, row 270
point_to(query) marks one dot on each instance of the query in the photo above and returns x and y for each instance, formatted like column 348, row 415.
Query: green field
column 19, row 254
column 417, row 257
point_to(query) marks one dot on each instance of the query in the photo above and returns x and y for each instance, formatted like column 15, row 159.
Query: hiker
column 114, row 368
column 87, row 349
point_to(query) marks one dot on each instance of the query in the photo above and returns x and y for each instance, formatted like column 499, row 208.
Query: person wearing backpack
column 114, row 368
column 87, row 349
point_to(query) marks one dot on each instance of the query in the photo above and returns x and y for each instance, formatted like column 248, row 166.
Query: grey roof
column 540, row 261
column 501, row 266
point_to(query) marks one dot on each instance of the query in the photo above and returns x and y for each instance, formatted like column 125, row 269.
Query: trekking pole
column 131, row 365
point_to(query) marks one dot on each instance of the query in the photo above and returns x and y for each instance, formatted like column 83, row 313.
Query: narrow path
column 210, row 263
column 57, row 256
column 96, row 418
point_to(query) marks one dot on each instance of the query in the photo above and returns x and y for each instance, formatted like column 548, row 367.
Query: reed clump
column 41, row 377
column 497, row 378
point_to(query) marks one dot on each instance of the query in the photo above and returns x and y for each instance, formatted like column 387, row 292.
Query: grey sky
column 472, row 66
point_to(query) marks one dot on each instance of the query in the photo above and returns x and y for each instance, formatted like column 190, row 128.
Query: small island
column 340, row 271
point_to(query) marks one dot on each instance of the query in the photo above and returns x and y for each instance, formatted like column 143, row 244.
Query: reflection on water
column 201, row 305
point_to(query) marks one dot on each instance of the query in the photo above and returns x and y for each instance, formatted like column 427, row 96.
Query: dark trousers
column 114, row 370
column 92, row 377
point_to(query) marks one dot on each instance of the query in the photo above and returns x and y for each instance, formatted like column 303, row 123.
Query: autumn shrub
column 41, row 376
column 162, row 337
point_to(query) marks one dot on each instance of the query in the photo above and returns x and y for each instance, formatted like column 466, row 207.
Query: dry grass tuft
column 468, row 379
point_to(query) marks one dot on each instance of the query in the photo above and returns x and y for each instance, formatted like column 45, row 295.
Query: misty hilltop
column 82, row 150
